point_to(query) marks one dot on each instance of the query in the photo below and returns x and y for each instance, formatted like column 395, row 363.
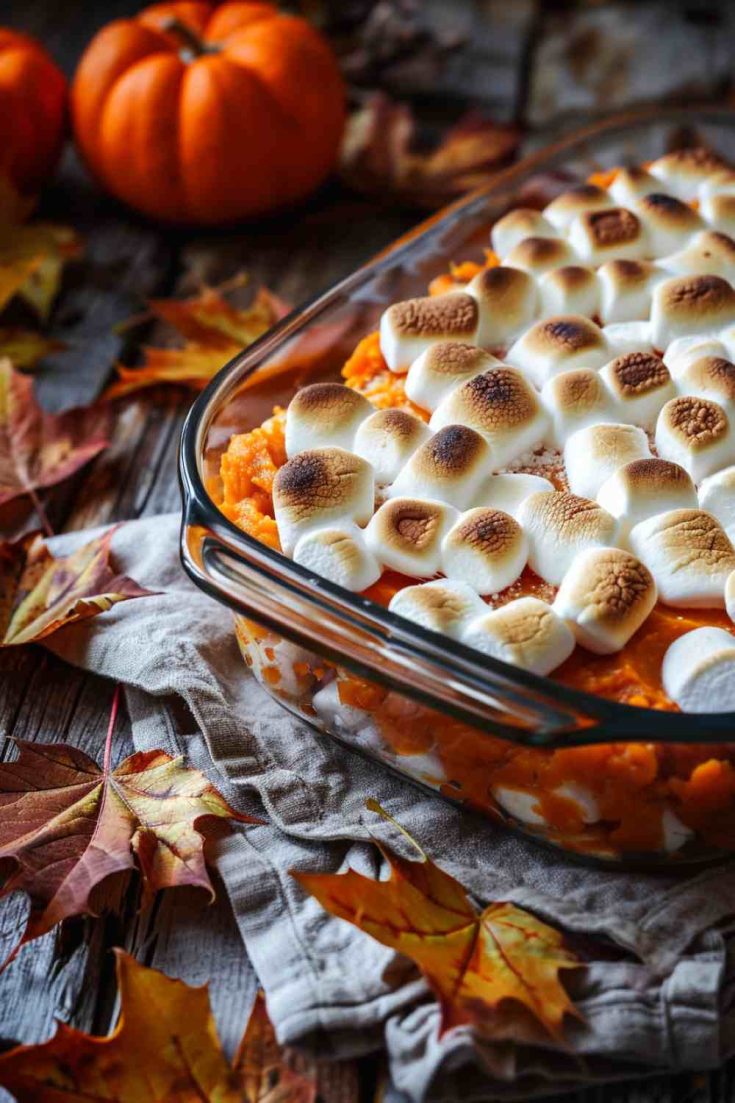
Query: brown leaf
column 164, row 1049
column 31, row 260
column 39, row 449
column 213, row 330
column 263, row 1066
column 66, row 825
column 379, row 157
column 473, row 961
column 40, row 594
column 24, row 347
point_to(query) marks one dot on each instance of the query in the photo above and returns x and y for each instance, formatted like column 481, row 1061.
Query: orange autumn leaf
column 66, row 825
column 40, row 594
column 38, row 449
column 473, row 961
column 32, row 256
column 164, row 1049
column 213, row 331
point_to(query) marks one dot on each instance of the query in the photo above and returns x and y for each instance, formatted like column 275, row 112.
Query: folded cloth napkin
column 658, row 992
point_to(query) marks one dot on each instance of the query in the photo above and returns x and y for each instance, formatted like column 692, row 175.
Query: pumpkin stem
column 191, row 43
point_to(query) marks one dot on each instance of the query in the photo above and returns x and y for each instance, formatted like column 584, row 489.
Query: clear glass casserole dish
column 604, row 780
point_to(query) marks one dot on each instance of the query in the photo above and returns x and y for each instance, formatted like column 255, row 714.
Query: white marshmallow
column 593, row 454
column 507, row 300
column 644, row 488
column 319, row 488
column 537, row 255
column 686, row 350
column 688, row 554
column 709, row 252
column 710, row 377
column 443, row 367
column 571, row 289
column 698, row 671
column 684, row 171
column 674, row 833
column 717, row 496
column 623, row 337
column 324, row 415
column 486, row 548
column 639, row 384
column 450, row 466
column 631, row 184
column 688, row 305
column 719, row 182
column 409, row 328
column 520, row 805
column 525, row 632
column 605, row 596
column 558, row 527
column 502, row 406
column 559, row 344
column 696, row 433
column 508, row 491
column 614, row 234
column 574, row 400
column 406, row 535
column 339, row 554
column 562, row 211
column 730, row 596
column 520, row 223
column 387, row 439
column 626, row 287
column 441, row 606
column 719, row 211
column 668, row 223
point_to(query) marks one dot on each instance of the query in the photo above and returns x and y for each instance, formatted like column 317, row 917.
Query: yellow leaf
column 31, row 259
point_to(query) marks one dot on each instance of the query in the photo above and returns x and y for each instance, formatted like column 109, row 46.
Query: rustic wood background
column 546, row 65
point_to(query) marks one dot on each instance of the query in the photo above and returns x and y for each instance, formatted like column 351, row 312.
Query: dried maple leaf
column 24, row 348
column 39, row 449
column 472, row 960
column 263, row 1066
column 66, row 825
column 31, row 259
column 379, row 156
column 164, row 1049
column 213, row 330
column 40, row 594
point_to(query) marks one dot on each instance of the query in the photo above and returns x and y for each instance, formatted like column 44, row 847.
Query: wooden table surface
column 69, row 974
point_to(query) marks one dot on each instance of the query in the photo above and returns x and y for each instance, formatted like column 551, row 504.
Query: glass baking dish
column 607, row 782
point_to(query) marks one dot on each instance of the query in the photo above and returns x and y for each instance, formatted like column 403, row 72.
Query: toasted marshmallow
column 690, row 305
column 719, row 182
column 562, row 211
column 502, row 406
column 340, row 554
column 639, row 384
column 539, row 254
column 507, row 299
column 698, row 671
column 525, row 632
column 574, row 400
column 593, row 454
column 717, row 496
column 406, row 534
column 687, row 350
column 626, row 287
column 324, row 415
column 608, row 235
column 409, row 328
column 696, row 433
column 719, row 212
column 449, row 466
column 710, row 377
column 559, row 344
column 642, row 488
column 623, row 337
column 508, row 491
column 688, row 554
column 318, row 488
column 485, row 548
column 518, row 224
column 559, row 526
column 668, row 223
column 569, row 290
column 683, row 171
column 441, row 606
column 730, row 596
column 443, row 367
column 631, row 184
column 605, row 596
column 708, row 253
column 388, row 438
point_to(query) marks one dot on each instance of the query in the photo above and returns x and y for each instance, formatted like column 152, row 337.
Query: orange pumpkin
column 32, row 112
column 195, row 114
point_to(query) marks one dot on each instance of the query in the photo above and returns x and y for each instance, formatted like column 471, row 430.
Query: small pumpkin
column 32, row 112
column 208, row 115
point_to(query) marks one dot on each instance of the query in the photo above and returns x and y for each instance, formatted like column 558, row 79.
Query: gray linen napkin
column 659, row 989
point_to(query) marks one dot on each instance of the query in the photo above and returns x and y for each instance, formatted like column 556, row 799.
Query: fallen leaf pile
column 473, row 961
column 213, row 331
column 40, row 594
column 379, row 155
